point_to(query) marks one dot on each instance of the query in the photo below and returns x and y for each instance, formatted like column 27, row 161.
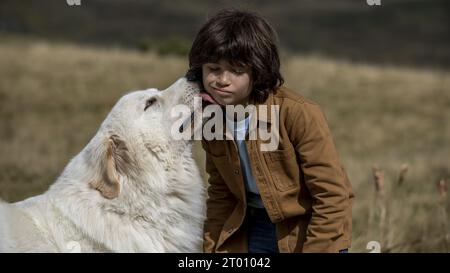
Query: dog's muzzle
column 192, row 91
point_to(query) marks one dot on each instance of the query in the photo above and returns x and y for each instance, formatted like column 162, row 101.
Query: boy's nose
column 223, row 79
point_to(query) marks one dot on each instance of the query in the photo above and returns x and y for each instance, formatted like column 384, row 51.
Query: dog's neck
column 145, row 201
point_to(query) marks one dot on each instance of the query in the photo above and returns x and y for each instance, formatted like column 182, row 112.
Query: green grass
column 53, row 98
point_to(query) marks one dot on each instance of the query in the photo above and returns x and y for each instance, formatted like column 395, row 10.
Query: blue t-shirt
column 239, row 130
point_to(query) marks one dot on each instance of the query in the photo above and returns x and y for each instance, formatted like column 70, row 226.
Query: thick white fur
column 160, row 206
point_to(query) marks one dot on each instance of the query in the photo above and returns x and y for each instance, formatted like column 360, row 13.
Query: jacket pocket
column 283, row 168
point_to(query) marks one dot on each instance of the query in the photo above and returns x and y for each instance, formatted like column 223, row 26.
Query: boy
column 295, row 198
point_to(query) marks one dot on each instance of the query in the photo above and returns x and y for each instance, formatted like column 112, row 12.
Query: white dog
column 131, row 189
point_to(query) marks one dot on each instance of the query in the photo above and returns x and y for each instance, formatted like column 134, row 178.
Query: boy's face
column 226, row 84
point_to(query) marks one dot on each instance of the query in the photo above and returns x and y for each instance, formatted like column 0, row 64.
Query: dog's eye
column 149, row 103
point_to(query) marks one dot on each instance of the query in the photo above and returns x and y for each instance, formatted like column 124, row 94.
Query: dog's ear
column 114, row 164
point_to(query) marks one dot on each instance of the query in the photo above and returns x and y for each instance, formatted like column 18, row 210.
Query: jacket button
column 236, row 172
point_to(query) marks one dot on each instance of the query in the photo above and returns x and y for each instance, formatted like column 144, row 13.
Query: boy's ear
column 113, row 165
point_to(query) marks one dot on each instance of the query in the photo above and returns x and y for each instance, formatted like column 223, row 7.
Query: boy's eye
column 239, row 71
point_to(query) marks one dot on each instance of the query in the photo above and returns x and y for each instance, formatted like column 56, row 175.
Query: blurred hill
column 406, row 32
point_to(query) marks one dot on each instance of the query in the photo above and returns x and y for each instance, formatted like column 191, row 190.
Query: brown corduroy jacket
column 302, row 182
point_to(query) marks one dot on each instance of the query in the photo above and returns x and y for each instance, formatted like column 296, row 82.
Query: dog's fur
column 131, row 189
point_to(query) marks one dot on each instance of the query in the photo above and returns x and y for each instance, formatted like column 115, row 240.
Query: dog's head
column 138, row 134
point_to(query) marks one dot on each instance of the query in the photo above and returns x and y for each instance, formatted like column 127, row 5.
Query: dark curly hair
column 241, row 38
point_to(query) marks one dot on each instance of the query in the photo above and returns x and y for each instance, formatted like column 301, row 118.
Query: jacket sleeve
column 325, row 179
column 219, row 204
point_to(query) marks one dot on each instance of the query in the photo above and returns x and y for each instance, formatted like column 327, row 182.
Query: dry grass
column 54, row 97
column 386, row 116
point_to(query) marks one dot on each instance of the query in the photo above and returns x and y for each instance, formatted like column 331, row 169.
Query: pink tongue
column 207, row 97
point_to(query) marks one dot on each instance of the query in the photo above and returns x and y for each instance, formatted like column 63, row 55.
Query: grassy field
column 53, row 97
